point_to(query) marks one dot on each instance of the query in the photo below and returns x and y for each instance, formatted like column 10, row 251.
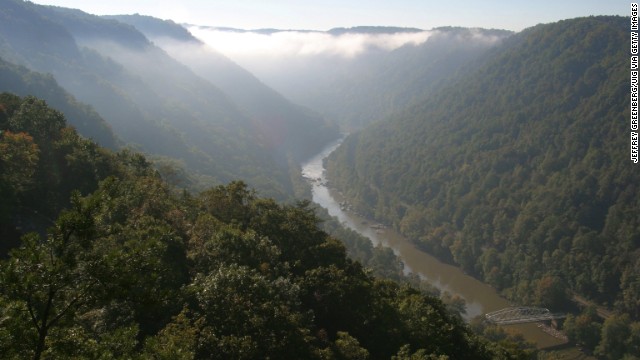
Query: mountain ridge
column 379, row 73
column 285, row 125
column 516, row 165
column 165, row 109
column 22, row 81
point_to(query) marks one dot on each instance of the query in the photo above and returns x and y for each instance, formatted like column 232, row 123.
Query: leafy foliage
column 42, row 163
column 133, row 268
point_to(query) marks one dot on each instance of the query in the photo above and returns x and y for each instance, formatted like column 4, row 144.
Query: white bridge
column 518, row 315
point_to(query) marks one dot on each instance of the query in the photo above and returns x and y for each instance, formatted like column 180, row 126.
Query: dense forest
column 116, row 263
column 518, row 171
column 150, row 190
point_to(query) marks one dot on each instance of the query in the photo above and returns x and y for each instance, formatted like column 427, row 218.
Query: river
column 480, row 298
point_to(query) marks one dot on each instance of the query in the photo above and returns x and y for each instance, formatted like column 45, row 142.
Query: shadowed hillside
column 153, row 101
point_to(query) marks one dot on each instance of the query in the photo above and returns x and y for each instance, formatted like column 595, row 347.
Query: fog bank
column 237, row 44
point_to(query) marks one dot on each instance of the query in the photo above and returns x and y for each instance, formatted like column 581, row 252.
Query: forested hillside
column 129, row 267
column 519, row 171
column 22, row 81
column 150, row 100
column 288, row 129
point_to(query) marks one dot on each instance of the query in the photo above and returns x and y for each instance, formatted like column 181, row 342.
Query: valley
column 173, row 190
column 480, row 298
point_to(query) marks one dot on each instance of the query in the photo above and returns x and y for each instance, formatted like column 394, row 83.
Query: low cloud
column 299, row 43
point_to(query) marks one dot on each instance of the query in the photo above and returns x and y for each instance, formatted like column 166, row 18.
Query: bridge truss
column 522, row 314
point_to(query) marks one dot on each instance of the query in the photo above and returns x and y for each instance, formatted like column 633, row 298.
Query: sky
column 512, row 15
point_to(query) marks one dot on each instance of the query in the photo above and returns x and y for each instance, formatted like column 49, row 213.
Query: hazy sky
column 326, row 14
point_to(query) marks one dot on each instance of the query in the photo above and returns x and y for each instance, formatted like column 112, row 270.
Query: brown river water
column 480, row 298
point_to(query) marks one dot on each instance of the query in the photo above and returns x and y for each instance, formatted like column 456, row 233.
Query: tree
column 47, row 279
column 244, row 315
column 38, row 120
column 633, row 342
column 93, row 259
column 347, row 347
column 230, row 203
column 551, row 292
column 614, row 336
column 19, row 157
column 432, row 332
column 421, row 354
column 231, row 246
column 178, row 340
column 18, row 160
column 584, row 329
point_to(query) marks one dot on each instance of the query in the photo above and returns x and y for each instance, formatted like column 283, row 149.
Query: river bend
column 480, row 298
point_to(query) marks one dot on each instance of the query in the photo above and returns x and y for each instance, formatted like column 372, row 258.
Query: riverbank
column 480, row 298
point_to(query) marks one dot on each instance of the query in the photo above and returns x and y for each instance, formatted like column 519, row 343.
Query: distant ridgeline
column 374, row 82
column 518, row 171
column 155, row 102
